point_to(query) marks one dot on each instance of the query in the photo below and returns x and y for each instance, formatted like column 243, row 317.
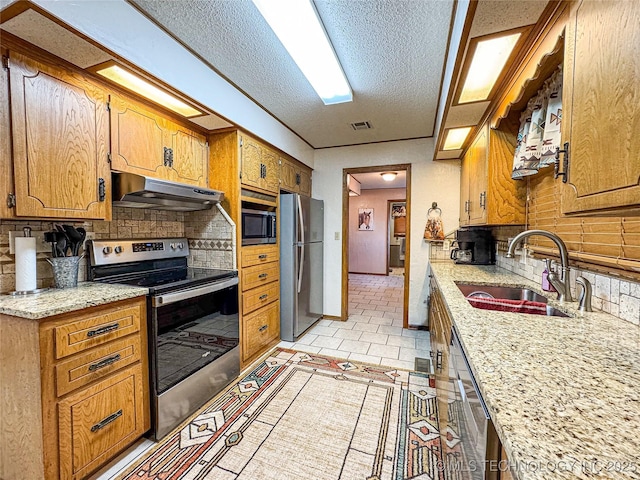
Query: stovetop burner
column 158, row 264
column 166, row 280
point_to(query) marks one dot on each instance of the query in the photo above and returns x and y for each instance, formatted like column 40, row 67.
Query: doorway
column 396, row 237
column 361, row 219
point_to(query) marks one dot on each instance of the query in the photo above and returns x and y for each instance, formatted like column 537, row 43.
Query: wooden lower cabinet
column 260, row 329
column 260, row 282
column 75, row 390
column 98, row 422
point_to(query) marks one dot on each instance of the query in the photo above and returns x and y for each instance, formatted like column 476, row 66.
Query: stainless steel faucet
column 561, row 282
column 584, row 300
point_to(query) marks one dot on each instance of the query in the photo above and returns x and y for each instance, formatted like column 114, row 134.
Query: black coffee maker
column 475, row 246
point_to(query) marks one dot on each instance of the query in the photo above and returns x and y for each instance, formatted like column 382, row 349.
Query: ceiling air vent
column 361, row 125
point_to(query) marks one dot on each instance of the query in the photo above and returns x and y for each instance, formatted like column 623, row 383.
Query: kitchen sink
column 507, row 293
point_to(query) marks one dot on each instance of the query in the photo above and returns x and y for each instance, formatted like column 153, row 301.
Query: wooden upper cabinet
column 259, row 165
column 477, row 154
column 294, row 177
column 6, row 162
column 601, row 117
column 60, row 131
column 190, row 156
column 147, row 143
column 489, row 196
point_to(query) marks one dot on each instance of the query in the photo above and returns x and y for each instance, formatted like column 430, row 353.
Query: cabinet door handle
column 263, row 328
column 168, row 157
column 483, row 200
column 102, row 193
column 263, row 297
column 263, row 275
column 103, row 330
column 103, row 423
column 263, row 256
column 439, row 360
column 297, row 179
column 104, row 363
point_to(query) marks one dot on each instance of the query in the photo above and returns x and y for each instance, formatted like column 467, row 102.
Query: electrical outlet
column 41, row 245
column 337, row 236
column 446, row 245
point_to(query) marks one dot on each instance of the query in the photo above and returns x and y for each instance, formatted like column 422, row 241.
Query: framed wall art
column 365, row 219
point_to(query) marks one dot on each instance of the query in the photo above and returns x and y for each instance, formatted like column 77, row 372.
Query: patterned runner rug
column 300, row 416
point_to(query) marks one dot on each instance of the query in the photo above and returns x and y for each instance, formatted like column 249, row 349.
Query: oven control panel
column 147, row 246
column 109, row 252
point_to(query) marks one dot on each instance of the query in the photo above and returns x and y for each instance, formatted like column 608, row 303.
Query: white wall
column 430, row 182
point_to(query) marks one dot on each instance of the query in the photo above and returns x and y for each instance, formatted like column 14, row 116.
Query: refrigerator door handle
column 301, row 217
column 301, row 267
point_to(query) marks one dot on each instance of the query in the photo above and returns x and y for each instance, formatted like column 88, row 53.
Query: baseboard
column 367, row 273
column 333, row 317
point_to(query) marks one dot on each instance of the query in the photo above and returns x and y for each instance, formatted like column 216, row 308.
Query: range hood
column 138, row 191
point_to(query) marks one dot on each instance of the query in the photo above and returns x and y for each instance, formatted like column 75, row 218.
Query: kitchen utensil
column 50, row 237
column 61, row 244
column 83, row 236
column 74, row 238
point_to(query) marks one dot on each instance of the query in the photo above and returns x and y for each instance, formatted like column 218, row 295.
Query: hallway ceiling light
column 297, row 24
column 134, row 83
column 455, row 138
column 389, row 176
column 488, row 61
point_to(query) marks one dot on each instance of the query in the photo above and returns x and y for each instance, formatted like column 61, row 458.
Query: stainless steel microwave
column 258, row 227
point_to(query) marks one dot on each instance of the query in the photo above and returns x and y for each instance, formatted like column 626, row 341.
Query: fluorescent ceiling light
column 132, row 82
column 455, row 138
column 297, row 25
column 388, row 176
column 488, row 61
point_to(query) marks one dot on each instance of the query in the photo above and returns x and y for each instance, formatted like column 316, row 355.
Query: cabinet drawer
column 260, row 254
column 259, row 329
column 99, row 421
column 97, row 363
column 260, row 275
column 95, row 329
column 258, row 297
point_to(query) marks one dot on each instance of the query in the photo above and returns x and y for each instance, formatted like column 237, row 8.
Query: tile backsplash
column 209, row 234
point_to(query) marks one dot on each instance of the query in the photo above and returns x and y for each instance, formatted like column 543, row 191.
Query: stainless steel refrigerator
column 301, row 264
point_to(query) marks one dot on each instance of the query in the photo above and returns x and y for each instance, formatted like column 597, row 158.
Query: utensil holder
column 65, row 271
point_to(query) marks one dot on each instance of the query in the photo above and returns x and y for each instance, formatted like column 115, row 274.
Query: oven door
column 194, row 340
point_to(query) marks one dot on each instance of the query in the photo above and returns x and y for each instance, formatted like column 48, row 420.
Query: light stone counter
column 56, row 301
column 563, row 393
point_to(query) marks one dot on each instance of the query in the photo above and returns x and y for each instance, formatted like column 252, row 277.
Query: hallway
column 373, row 333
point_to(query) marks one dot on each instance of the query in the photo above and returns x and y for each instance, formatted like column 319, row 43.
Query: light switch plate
column 41, row 245
column 337, row 236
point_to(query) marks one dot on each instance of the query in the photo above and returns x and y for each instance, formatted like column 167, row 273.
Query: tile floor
column 373, row 333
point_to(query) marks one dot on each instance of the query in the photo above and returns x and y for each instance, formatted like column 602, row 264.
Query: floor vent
column 361, row 125
column 423, row 365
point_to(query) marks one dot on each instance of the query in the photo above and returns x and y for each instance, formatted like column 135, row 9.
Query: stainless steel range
column 192, row 317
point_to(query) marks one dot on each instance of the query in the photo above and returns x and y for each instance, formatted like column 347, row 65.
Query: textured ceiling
column 392, row 52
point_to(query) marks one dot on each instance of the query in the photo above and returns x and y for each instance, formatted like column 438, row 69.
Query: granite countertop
column 563, row 393
column 56, row 301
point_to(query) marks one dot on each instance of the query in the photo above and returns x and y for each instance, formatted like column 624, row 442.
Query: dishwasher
column 480, row 444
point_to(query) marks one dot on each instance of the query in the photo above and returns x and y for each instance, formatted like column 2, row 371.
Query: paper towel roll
column 25, row 248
